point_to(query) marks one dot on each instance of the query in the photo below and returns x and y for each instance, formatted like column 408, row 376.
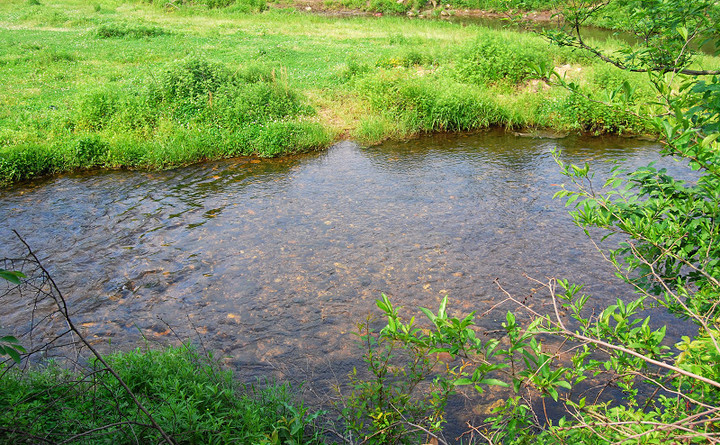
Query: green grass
column 188, row 395
column 395, row 7
column 117, row 84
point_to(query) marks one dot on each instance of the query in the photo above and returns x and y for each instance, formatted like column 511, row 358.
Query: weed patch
column 581, row 113
column 191, row 398
column 26, row 161
column 429, row 103
column 120, row 31
column 495, row 58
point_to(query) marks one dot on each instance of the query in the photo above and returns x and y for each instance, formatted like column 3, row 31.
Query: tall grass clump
column 27, row 161
column 96, row 109
column 580, row 112
column 212, row 4
column 374, row 129
column 495, row 57
column 430, row 103
column 246, row 6
column 190, row 397
column 113, row 30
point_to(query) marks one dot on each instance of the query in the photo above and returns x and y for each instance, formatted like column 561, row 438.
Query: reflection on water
column 274, row 261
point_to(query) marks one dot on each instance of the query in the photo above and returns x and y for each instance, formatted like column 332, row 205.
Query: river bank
column 134, row 85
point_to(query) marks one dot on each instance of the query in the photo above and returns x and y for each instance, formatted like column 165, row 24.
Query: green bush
column 390, row 6
column 585, row 114
column 89, row 151
column 26, row 161
column 136, row 111
column 412, row 371
column 210, row 93
column 97, row 109
column 247, row 6
column 194, row 79
column 218, row 3
column 254, row 103
column 495, row 58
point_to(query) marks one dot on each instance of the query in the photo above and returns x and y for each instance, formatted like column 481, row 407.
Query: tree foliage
column 662, row 234
column 667, row 235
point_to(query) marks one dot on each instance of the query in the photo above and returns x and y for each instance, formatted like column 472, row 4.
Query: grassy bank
column 134, row 85
column 190, row 398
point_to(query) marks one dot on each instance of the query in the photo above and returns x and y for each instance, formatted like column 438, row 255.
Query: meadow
column 116, row 84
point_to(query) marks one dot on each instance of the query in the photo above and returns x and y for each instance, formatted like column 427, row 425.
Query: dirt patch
column 568, row 71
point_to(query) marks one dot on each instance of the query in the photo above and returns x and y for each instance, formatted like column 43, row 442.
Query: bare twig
column 62, row 306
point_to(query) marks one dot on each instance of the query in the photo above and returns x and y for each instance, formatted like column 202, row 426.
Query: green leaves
column 10, row 345
column 13, row 277
column 446, row 355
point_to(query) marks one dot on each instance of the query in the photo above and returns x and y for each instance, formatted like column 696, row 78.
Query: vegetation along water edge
column 118, row 84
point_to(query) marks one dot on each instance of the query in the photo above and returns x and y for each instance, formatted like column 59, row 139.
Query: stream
column 272, row 262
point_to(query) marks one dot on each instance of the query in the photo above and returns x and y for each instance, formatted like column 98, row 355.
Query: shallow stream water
column 273, row 262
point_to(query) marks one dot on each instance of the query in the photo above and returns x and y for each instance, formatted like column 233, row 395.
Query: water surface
column 273, row 262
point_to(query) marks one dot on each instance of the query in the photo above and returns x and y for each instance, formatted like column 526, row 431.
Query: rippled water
column 273, row 262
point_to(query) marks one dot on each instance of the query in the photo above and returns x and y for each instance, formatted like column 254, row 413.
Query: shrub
column 583, row 113
column 494, row 58
column 194, row 79
column 413, row 370
column 247, row 6
column 97, row 109
column 211, row 93
column 136, row 111
column 218, row 3
column 390, row 6
column 89, row 151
